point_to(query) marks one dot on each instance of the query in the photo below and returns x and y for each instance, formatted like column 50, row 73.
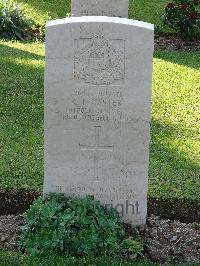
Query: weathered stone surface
column 97, row 111
column 110, row 8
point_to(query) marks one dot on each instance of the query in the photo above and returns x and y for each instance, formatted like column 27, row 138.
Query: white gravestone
column 97, row 111
column 111, row 8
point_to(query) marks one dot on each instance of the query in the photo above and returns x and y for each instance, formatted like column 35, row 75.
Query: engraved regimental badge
column 99, row 61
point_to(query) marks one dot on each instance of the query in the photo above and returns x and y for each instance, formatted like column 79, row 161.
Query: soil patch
column 16, row 201
column 10, row 229
column 172, row 240
column 165, row 240
column 174, row 209
column 176, row 43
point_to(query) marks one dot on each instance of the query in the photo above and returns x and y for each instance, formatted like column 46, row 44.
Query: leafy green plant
column 38, row 28
column 183, row 16
column 133, row 246
column 14, row 24
column 70, row 226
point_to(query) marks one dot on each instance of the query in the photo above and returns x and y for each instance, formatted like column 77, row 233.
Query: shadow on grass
column 174, row 185
column 21, row 76
column 173, row 175
column 188, row 59
column 160, row 131
column 21, row 89
column 8, row 52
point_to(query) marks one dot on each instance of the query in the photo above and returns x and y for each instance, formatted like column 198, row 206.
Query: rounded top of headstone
column 101, row 19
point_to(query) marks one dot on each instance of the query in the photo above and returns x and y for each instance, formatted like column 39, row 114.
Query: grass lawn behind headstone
column 175, row 147
column 146, row 10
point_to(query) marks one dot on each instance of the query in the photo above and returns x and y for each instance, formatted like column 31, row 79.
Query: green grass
column 149, row 11
column 21, row 86
column 175, row 147
column 17, row 259
column 146, row 10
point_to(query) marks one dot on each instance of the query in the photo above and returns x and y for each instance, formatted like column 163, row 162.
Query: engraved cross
column 97, row 149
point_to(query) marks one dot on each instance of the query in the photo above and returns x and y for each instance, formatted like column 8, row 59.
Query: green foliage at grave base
column 133, row 246
column 71, row 226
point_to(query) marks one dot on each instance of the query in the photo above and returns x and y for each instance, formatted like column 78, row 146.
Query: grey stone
column 98, row 79
column 111, row 8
